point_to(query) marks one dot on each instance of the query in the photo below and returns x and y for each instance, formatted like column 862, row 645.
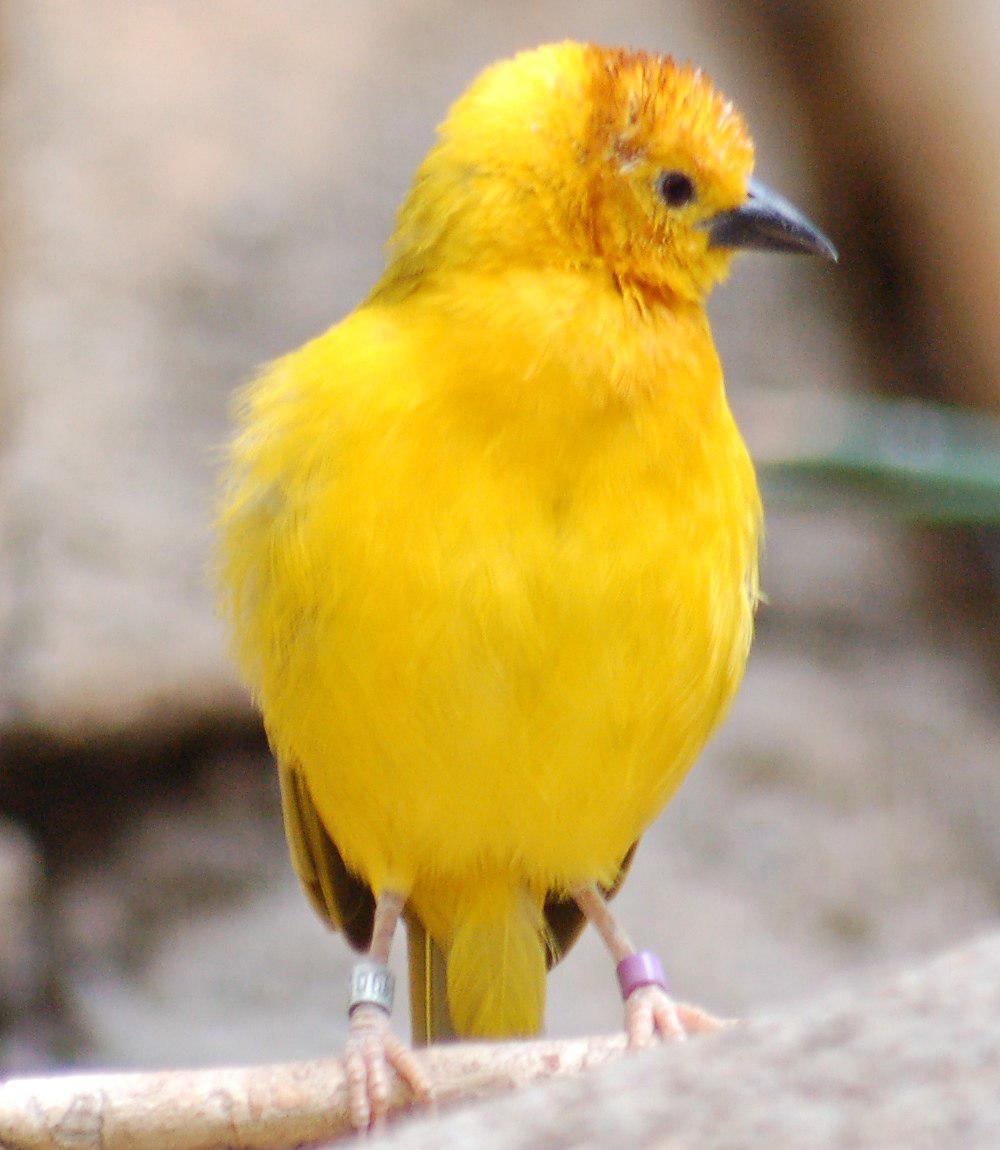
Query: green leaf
column 915, row 461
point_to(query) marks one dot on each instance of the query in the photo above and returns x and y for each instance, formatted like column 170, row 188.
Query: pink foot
column 372, row 1049
column 651, row 1014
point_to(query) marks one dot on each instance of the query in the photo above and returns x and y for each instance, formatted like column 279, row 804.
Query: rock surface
column 912, row 93
column 911, row 1064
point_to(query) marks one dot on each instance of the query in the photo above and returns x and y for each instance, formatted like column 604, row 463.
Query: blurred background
column 190, row 189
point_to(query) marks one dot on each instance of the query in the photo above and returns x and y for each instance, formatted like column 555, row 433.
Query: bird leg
column 649, row 1009
column 372, row 1047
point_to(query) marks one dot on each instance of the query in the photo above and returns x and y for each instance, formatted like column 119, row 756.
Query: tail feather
column 430, row 1019
column 496, row 969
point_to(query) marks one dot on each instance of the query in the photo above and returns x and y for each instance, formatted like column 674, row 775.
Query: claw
column 698, row 1021
column 372, row 1049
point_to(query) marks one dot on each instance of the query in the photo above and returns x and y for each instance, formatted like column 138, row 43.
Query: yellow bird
column 489, row 544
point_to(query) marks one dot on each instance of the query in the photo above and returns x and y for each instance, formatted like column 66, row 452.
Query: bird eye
column 676, row 189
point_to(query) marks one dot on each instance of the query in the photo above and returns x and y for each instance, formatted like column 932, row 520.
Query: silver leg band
column 373, row 983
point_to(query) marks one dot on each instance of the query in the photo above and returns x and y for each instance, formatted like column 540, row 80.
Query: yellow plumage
column 489, row 544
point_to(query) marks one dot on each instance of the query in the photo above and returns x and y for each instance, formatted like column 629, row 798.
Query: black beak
column 767, row 222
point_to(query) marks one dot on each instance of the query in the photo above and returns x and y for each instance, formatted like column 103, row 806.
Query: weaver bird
column 489, row 544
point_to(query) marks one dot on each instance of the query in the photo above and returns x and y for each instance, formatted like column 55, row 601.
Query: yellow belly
column 528, row 731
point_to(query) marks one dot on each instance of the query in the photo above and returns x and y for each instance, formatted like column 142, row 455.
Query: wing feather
column 339, row 897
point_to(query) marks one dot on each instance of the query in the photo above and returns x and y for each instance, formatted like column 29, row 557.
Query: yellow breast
column 494, row 581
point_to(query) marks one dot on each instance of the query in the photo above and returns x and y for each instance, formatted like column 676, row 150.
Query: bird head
column 574, row 156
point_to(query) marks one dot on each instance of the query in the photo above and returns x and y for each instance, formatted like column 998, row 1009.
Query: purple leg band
column 641, row 969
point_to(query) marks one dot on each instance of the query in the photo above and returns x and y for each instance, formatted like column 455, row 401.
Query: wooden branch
column 258, row 1107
